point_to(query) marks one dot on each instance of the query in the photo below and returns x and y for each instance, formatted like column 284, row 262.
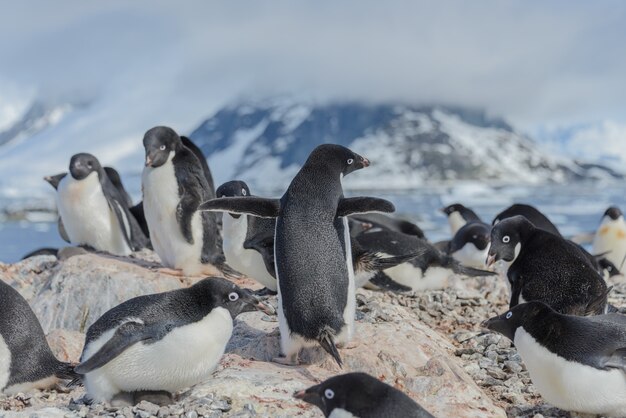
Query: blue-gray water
column 574, row 209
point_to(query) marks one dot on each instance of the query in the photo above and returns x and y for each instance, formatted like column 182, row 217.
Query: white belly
column 5, row 363
column 408, row 275
column 611, row 239
column 456, row 222
column 350, row 310
column 341, row 413
column 248, row 262
column 184, row 357
column 87, row 217
column 471, row 256
column 572, row 386
column 160, row 200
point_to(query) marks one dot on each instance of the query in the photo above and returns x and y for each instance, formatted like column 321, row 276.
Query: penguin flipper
column 115, row 178
column 265, row 247
column 184, row 214
column 250, row 205
column 125, row 336
column 62, row 231
column 354, row 205
column 373, row 261
column 387, row 283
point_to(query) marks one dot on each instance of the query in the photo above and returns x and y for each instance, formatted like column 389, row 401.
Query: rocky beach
column 428, row 344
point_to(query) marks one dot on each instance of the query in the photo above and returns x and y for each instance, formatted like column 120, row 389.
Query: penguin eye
column 243, row 192
column 350, row 161
column 509, row 315
column 506, row 239
column 89, row 165
column 162, row 147
column 329, row 393
column 233, row 296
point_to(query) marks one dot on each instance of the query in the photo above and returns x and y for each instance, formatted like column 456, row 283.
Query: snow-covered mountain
column 265, row 142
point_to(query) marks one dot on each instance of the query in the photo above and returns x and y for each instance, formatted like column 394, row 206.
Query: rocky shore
column 428, row 344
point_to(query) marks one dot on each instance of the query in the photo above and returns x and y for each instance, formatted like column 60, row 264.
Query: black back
column 116, row 179
column 203, row 162
column 529, row 212
column 552, row 270
column 363, row 396
column 310, row 246
column 31, row 357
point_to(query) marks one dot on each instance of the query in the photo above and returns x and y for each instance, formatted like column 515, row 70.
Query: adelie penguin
column 174, row 184
column 93, row 211
column 316, row 299
column 151, row 346
column 429, row 270
column 459, row 215
column 26, row 361
column 470, row 244
column 248, row 240
column 361, row 395
column 610, row 238
column 576, row 363
column 548, row 268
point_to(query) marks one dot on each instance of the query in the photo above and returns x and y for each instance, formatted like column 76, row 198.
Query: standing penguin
column 361, row 395
column 248, row 240
column 576, row 363
column 174, row 184
column 26, row 361
column 458, row 215
column 316, row 299
column 610, row 238
column 151, row 346
column 547, row 268
column 94, row 212
column 430, row 269
column 470, row 244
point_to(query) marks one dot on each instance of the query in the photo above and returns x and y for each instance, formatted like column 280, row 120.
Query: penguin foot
column 169, row 271
column 287, row 361
column 122, row 400
column 157, row 397
column 265, row 292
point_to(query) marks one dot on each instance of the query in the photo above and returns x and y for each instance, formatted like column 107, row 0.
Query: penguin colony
column 312, row 247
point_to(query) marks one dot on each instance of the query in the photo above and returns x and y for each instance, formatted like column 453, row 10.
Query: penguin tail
column 375, row 261
column 459, row 268
column 65, row 371
column 229, row 272
column 327, row 341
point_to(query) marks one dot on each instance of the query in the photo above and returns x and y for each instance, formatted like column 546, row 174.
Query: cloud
column 534, row 62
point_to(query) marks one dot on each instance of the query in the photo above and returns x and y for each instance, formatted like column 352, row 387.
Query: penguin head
column 337, row 158
column 523, row 315
column 82, row 165
column 353, row 392
column 613, row 212
column 234, row 188
column 507, row 238
column 455, row 207
column 159, row 142
column 233, row 298
column 609, row 267
column 475, row 233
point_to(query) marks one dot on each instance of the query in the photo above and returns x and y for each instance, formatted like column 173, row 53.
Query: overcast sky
column 535, row 62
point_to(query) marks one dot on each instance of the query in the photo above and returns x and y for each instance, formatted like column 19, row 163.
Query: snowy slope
column 265, row 142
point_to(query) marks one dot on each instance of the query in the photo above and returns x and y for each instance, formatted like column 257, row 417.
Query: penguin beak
column 491, row 260
column 500, row 325
column 365, row 162
column 309, row 396
column 148, row 161
column 254, row 304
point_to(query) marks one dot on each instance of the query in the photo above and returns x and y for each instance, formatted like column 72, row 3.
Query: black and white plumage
column 429, row 269
column 548, row 268
column 174, row 184
column 26, row 361
column 162, row 342
column 576, row 363
column 312, row 250
column 94, row 211
column 610, row 238
column 361, row 395
column 248, row 241
column 459, row 215
column 538, row 219
column 470, row 244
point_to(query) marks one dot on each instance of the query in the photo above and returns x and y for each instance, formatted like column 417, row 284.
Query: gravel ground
column 456, row 313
